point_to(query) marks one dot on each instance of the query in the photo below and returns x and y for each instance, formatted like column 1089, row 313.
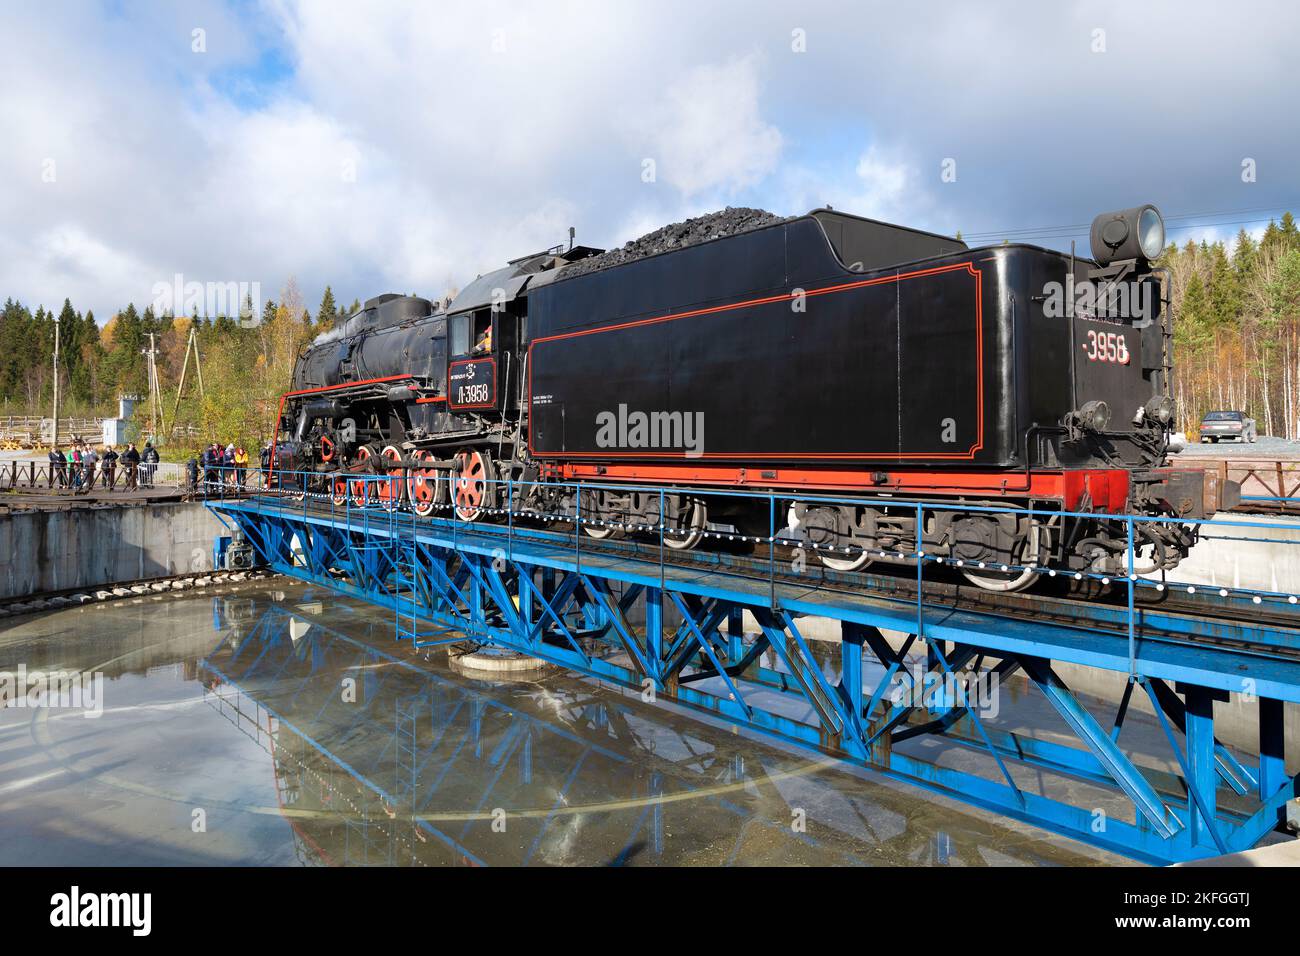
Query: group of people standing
column 222, row 465
column 81, row 466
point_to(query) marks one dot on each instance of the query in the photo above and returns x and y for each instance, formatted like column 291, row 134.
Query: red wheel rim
column 339, row 491
column 361, row 489
column 471, row 484
column 422, row 486
column 390, row 492
column 326, row 449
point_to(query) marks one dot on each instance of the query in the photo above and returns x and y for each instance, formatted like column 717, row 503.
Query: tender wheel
column 593, row 510
column 425, row 488
column 472, row 485
column 689, row 530
column 844, row 562
column 390, row 492
column 999, row 580
column 976, row 541
column 823, row 525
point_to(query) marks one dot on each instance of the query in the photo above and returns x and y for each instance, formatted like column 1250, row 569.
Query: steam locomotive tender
column 819, row 356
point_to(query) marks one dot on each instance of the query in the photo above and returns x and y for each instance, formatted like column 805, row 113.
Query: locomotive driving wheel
column 425, row 488
column 390, row 492
column 472, row 486
column 338, row 491
column 362, row 490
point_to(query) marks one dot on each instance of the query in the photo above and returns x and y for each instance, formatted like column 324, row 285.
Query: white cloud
column 469, row 151
column 709, row 134
column 888, row 186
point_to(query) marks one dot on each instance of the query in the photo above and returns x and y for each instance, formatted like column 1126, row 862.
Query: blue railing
column 374, row 500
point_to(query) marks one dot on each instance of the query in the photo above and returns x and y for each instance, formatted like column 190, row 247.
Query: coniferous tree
column 328, row 311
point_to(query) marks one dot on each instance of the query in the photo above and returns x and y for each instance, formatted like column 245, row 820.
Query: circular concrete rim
column 497, row 663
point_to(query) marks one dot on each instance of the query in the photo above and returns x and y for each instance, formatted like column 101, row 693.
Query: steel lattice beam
column 672, row 632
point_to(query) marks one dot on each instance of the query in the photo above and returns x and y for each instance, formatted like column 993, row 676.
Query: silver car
column 1224, row 425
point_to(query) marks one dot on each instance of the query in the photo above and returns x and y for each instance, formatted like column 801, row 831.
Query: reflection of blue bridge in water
column 621, row 612
column 411, row 770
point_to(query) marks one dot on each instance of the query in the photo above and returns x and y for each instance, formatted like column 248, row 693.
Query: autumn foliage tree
column 1237, row 328
column 246, row 364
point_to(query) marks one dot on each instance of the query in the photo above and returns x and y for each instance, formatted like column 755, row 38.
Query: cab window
column 459, row 335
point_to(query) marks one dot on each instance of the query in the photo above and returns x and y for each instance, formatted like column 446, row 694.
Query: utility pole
column 155, row 399
column 191, row 344
column 54, row 442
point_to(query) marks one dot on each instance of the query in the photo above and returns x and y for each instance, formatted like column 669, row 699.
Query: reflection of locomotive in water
column 819, row 356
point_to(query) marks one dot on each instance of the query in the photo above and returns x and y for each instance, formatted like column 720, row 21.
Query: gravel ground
column 678, row 235
column 1266, row 447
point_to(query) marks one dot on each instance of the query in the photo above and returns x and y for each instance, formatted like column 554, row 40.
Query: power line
column 1074, row 230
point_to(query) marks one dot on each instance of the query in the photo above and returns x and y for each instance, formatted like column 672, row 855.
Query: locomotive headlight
column 1137, row 233
column 1151, row 232
column 1093, row 416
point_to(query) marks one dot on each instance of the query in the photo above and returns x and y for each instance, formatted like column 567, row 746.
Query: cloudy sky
column 409, row 147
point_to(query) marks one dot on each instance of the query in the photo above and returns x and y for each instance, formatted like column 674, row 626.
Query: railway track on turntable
column 1164, row 615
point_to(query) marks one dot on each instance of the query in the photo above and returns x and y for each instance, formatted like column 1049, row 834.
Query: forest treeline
column 245, row 366
column 1236, row 346
column 1237, row 328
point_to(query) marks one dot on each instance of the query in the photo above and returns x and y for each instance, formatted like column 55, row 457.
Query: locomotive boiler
column 817, row 357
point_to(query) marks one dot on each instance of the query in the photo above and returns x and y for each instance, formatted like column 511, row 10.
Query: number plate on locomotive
column 472, row 384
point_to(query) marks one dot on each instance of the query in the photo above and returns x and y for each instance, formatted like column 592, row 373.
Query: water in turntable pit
column 228, row 736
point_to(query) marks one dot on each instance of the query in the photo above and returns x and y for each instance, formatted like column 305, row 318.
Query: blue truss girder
column 606, row 616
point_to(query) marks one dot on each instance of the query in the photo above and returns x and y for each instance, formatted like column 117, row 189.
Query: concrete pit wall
column 1255, row 552
column 44, row 551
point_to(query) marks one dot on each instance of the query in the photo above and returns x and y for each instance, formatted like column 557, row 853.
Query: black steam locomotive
column 819, row 356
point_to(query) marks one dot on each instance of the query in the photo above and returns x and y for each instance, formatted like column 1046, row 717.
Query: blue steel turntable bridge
column 927, row 683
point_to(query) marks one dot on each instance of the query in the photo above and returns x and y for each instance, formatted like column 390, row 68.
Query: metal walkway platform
column 924, row 690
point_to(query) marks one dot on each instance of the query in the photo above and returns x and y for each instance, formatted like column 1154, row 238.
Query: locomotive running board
column 1106, row 488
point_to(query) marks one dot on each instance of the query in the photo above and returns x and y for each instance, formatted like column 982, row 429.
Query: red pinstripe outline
column 968, row 455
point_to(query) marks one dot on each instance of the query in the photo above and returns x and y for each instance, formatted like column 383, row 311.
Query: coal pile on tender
column 678, row 235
